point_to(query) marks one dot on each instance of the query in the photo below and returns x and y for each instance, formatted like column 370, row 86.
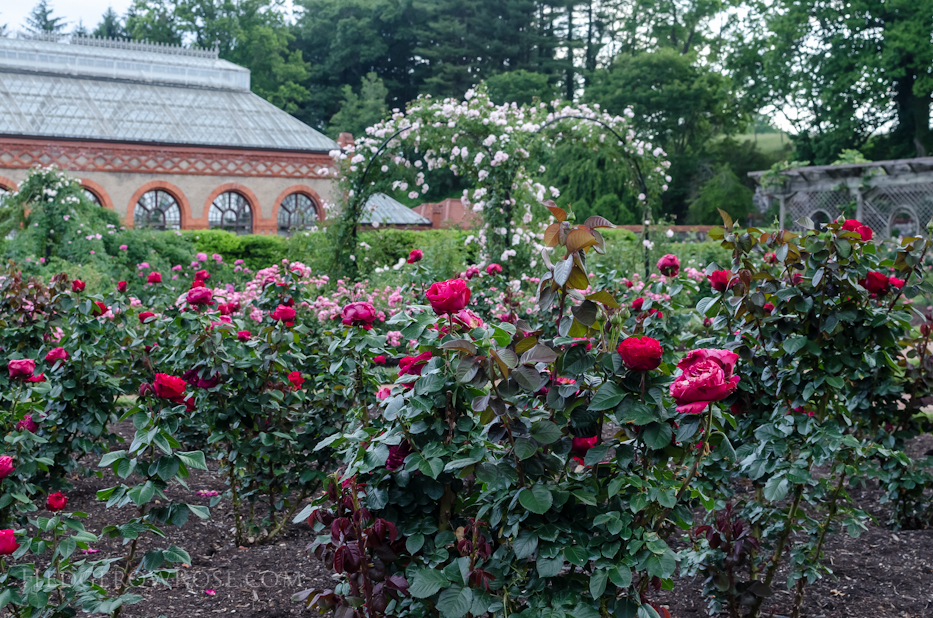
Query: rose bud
column 56, row 502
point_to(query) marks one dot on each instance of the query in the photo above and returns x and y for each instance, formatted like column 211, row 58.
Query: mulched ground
column 882, row 574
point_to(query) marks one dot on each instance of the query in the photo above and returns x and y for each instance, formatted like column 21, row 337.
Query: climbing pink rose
column 707, row 376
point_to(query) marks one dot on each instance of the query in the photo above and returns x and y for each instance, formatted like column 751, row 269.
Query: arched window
column 297, row 212
column 157, row 210
column 91, row 196
column 230, row 211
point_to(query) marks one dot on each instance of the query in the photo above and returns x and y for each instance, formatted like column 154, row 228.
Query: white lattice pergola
column 894, row 198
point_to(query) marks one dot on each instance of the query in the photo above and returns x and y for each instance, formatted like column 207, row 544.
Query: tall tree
column 843, row 72
column 154, row 21
column 362, row 110
column 110, row 25
column 41, row 20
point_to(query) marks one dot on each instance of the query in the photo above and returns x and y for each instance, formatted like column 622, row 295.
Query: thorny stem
column 779, row 550
column 798, row 597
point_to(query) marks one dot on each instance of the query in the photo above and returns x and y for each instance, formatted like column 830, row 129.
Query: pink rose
column 6, row 466
column 154, row 278
column 22, row 368
column 28, row 424
column 669, row 265
column 467, row 318
column 493, row 269
column 359, row 314
column 707, row 376
column 383, row 393
column 448, row 296
column 415, row 256
column 200, row 296
column 57, row 354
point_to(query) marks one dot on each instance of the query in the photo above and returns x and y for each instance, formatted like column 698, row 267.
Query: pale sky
column 13, row 12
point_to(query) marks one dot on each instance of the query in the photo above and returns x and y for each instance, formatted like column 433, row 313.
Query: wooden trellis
column 894, row 198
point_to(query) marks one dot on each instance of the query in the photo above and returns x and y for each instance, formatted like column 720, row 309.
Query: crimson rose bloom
column 721, row 280
column 22, row 368
column 415, row 256
column 448, row 296
column 154, row 277
column 121, row 286
column 707, row 376
column 896, row 283
column 57, row 354
column 397, row 454
column 284, row 313
column 77, row 285
column 200, row 296
column 854, row 225
column 56, row 501
column 358, row 314
column 198, row 283
column 413, row 366
column 637, row 304
column 581, row 446
column 669, row 265
column 6, row 466
column 28, row 424
column 295, row 378
column 771, row 258
column 768, row 307
column 168, row 387
column 243, row 335
column 641, row 353
column 493, row 269
column 202, row 275
column 379, row 360
column 876, row 283
column 100, row 308
column 145, row 315
column 8, row 543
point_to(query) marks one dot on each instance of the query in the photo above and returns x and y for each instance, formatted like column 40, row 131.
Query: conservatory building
column 168, row 137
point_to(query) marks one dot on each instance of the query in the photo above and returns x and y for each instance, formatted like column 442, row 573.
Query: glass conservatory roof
column 384, row 210
column 105, row 89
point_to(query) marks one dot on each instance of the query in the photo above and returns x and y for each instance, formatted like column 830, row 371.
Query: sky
column 13, row 13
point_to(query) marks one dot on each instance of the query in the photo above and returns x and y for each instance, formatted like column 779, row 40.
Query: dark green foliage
column 521, row 87
column 724, row 190
column 362, row 110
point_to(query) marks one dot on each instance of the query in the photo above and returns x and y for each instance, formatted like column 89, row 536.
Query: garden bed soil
column 882, row 574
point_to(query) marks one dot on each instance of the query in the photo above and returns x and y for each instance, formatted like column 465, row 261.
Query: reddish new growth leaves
column 361, row 546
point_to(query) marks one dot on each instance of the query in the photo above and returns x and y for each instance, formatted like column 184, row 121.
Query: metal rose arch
column 491, row 147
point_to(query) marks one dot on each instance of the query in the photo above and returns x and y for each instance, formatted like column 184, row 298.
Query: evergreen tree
column 80, row 30
column 110, row 25
column 521, row 87
column 360, row 111
column 41, row 20
column 724, row 190
column 154, row 21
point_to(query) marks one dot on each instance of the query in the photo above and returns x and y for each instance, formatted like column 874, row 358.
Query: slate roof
column 388, row 211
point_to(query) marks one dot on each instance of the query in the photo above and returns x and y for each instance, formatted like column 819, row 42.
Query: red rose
column 8, row 543
column 100, row 308
column 397, row 454
column 358, row 314
column 413, row 366
column 154, row 277
column 641, row 353
column 771, row 258
column 168, row 387
column 448, row 296
column 493, row 269
column 36, row 379
column 637, row 304
column 121, row 286
column 56, row 502
column 707, row 376
column 77, row 285
column 6, row 466
column 415, row 256
column 876, row 283
column 896, row 283
column 295, row 378
column 28, row 424
column 284, row 313
column 22, row 368
column 197, row 283
column 379, row 360
column 669, row 265
column 243, row 335
column 57, row 354
column 200, row 296
column 581, row 446
column 721, row 280
column 854, row 225
column 768, row 307
column 145, row 315
column 202, row 275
